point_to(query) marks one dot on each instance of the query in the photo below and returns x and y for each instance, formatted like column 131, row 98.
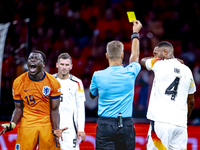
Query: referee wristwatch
column 135, row 35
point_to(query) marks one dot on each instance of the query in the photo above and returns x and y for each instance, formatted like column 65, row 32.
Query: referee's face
column 64, row 66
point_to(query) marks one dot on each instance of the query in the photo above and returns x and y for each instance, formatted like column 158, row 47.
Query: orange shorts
column 30, row 138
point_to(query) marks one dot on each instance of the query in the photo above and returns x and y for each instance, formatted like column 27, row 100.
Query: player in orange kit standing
column 36, row 94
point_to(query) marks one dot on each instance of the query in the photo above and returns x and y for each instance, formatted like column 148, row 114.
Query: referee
column 115, row 88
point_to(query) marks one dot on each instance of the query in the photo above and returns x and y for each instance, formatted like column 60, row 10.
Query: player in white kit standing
column 171, row 100
column 72, row 108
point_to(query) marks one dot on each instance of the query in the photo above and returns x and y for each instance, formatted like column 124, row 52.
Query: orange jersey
column 36, row 98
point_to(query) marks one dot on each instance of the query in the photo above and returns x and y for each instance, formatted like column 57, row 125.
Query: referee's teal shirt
column 115, row 87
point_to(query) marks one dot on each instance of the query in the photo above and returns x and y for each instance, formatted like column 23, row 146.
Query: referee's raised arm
column 134, row 57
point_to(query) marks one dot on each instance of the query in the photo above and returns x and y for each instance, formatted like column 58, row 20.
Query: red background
column 7, row 141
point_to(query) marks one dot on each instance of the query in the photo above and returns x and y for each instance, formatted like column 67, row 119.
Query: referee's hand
column 136, row 26
column 58, row 132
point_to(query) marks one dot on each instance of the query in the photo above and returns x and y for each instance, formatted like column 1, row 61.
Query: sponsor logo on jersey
column 59, row 90
column 46, row 90
column 26, row 90
column 176, row 70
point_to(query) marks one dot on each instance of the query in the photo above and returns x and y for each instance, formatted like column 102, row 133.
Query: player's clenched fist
column 7, row 127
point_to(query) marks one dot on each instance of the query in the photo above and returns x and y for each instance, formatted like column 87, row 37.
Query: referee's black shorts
column 110, row 137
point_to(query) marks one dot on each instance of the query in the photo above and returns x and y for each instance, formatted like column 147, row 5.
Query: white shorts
column 70, row 140
column 163, row 136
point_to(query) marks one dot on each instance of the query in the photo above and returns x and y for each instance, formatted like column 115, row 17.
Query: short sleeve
column 134, row 67
column 151, row 62
column 56, row 89
column 192, row 87
column 80, row 96
column 16, row 90
column 93, row 86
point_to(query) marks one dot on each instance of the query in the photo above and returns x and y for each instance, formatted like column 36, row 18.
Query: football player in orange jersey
column 36, row 95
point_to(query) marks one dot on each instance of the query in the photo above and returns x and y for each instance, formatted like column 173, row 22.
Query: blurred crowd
column 84, row 27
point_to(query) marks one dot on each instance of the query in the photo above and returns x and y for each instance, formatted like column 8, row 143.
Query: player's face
column 35, row 63
column 64, row 66
column 158, row 53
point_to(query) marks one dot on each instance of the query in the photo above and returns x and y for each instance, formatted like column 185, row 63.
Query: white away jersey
column 172, row 83
column 72, row 103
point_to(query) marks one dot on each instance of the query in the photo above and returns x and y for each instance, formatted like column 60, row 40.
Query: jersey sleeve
column 56, row 89
column 151, row 62
column 93, row 85
column 80, row 106
column 16, row 88
column 192, row 87
column 80, row 103
column 80, row 95
column 134, row 67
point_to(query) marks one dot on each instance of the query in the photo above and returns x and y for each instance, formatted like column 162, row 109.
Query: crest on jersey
column 17, row 147
column 46, row 90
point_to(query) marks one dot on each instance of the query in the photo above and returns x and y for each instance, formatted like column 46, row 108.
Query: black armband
column 135, row 35
column 54, row 133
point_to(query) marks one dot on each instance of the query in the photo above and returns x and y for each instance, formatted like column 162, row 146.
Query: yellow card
column 131, row 16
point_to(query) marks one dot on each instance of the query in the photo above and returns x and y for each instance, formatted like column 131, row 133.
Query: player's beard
column 64, row 72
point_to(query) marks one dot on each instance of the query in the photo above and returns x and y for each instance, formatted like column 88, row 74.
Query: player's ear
column 71, row 66
column 106, row 55
column 122, row 55
column 165, row 53
column 56, row 65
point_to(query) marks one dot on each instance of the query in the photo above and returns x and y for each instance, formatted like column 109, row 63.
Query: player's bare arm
column 143, row 60
column 180, row 60
column 16, row 116
column 135, row 43
column 55, row 118
column 190, row 102
column 17, row 113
